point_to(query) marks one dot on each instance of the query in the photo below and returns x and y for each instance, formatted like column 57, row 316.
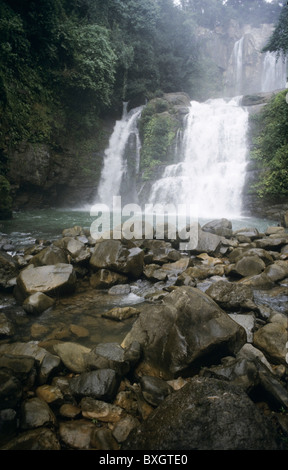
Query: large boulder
column 48, row 256
column 271, row 339
column 115, row 256
column 231, row 295
column 184, row 332
column 52, row 280
column 207, row 242
column 206, row 414
column 221, row 227
column 249, row 266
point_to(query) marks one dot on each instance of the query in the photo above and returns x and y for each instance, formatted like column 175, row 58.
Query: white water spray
column 212, row 171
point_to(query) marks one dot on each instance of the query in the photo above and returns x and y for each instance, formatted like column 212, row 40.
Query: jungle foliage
column 270, row 148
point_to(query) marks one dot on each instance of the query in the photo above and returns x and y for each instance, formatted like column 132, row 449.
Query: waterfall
column 124, row 145
column 273, row 73
column 238, row 65
column 211, row 172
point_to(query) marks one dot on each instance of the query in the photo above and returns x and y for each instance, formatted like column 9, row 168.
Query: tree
column 278, row 42
column 270, row 148
column 88, row 62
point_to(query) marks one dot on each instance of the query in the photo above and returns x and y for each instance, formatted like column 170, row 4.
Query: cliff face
column 237, row 54
column 42, row 175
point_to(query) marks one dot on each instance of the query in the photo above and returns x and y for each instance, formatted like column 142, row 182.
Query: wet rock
column 70, row 411
column 102, row 439
column 76, row 434
column 206, row 414
column 36, row 413
column 277, row 271
column 49, row 256
column 72, row 355
column 203, row 271
column 260, row 281
column 121, row 313
column 155, row 273
column 73, row 232
column 113, row 255
column 8, row 269
column 36, row 439
column 54, row 280
column 249, row 266
column 49, row 393
column 231, row 295
column 221, row 227
column 99, row 384
column 37, row 303
column 108, row 356
column 271, row 339
column 120, row 289
column 248, row 323
column 207, row 242
column 123, row 428
column 154, row 389
column 100, row 410
column 6, row 326
column 46, row 362
column 271, row 243
column 159, row 252
column 8, row 425
column 79, row 331
column 22, row 367
column 185, row 330
column 245, row 235
column 50, row 365
column 104, row 279
column 10, row 390
column 77, row 251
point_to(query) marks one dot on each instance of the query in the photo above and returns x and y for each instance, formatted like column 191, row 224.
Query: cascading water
column 212, row 171
column 124, row 135
column 238, row 65
column 274, row 73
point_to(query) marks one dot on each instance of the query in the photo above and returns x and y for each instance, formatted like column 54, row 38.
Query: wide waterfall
column 124, row 140
column 211, row 172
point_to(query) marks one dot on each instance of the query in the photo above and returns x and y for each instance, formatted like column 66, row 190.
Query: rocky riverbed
column 124, row 345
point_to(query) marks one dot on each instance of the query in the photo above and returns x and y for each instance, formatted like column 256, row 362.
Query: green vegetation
column 270, row 148
column 158, row 130
column 279, row 39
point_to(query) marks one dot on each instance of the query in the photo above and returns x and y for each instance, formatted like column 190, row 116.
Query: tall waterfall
column 269, row 73
column 274, row 72
column 212, row 171
column 124, row 136
column 238, row 65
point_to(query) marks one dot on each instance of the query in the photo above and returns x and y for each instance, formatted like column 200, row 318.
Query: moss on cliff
column 158, row 129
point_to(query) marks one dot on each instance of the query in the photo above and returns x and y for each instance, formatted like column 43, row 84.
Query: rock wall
column 66, row 175
column 219, row 45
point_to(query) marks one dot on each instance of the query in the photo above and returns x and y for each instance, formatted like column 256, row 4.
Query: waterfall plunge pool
column 47, row 224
